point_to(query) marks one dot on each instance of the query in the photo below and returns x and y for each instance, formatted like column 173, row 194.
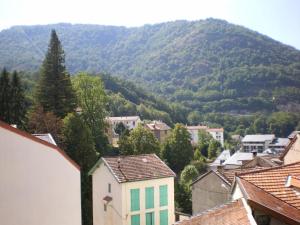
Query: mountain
column 205, row 66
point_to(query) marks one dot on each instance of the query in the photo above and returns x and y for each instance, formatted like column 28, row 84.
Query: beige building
column 291, row 153
column 40, row 184
column 216, row 133
column 159, row 129
column 133, row 190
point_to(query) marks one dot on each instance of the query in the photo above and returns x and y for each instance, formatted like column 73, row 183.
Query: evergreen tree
column 5, row 92
column 214, row 149
column 80, row 146
column 54, row 91
column 177, row 149
column 18, row 102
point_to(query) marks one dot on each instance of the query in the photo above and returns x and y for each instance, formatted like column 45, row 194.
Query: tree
column 45, row 122
column 139, row 141
column 214, row 149
column 5, row 91
column 203, row 142
column 177, row 149
column 79, row 145
column 120, row 128
column 54, row 90
column 18, row 102
column 188, row 174
column 93, row 101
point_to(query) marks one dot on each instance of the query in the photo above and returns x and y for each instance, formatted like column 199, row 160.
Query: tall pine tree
column 5, row 96
column 54, row 91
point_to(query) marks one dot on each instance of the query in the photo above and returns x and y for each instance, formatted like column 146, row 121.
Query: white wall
column 38, row 185
column 114, row 215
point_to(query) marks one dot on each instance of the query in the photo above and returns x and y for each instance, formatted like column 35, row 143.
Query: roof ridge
column 38, row 140
column 124, row 156
column 269, row 168
column 269, row 193
column 287, row 148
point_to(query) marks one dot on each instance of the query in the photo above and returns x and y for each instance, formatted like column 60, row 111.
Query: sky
column 279, row 19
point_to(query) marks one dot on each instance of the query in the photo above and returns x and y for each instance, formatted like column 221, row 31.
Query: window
column 163, row 217
column 105, row 207
column 149, row 198
column 135, row 219
column 163, row 195
column 109, row 188
column 135, row 199
column 150, row 218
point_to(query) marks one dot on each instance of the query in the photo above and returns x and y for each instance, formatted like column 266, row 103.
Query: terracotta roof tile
column 273, row 182
column 138, row 167
column 233, row 213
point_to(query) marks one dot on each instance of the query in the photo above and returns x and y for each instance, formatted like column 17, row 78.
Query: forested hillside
column 205, row 66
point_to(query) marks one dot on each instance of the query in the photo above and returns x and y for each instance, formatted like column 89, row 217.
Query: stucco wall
column 293, row 155
column 38, row 185
column 113, row 215
column 209, row 192
column 142, row 185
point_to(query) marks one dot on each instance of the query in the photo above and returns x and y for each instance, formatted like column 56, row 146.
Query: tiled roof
column 233, row 213
column 231, row 173
column 158, row 125
column 137, row 167
column 273, row 181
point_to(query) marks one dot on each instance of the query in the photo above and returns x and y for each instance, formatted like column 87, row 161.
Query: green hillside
column 206, row 66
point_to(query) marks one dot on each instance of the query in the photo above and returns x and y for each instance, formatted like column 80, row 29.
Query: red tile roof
column 40, row 141
column 137, row 167
column 273, row 181
column 233, row 213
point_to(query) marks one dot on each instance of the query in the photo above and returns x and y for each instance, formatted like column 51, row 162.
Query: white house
column 216, row 133
column 130, row 122
column 257, row 142
column 133, row 190
column 40, row 184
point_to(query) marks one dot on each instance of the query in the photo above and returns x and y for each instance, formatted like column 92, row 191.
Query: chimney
column 254, row 153
column 119, row 162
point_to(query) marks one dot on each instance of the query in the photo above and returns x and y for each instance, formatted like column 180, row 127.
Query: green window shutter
column 163, row 217
column 150, row 218
column 149, row 198
column 135, row 219
column 163, row 195
column 135, row 199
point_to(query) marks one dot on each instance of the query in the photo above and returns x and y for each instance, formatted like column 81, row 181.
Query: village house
column 273, row 194
column 40, row 184
column 214, row 187
column 292, row 152
column 216, row 133
column 133, row 190
column 257, row 142
column 159, row 129
column 130, row 122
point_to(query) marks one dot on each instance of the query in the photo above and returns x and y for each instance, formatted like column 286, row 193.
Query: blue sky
column 279, row 19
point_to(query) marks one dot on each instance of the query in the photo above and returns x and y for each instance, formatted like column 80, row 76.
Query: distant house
column 46, row 137
column 272, row 194
column 133, row 190
column 240, row 158
column 40, row 184
column 257, row 142
column 219, row 161
column 291, row 153
column 216, row 133
column 278, row 145
column 130, row 122
column 159, row 129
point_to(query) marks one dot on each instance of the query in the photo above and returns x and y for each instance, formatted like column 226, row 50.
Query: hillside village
column 67, row 158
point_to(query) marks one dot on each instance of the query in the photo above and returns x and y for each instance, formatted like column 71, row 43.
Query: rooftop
column 201, row 127
column 233, row 213
column 158, row 125
column 221, row 158
column 124, row 118
column 258, row 137
column 273, row 181
column 136, row 167
column 239, row 157
column 46, row 137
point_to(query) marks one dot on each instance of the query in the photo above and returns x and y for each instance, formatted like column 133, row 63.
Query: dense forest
column 207, row 66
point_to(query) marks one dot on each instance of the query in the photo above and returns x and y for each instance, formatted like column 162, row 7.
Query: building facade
column 216, row 133
column 160, row 130
column 133, row 190
column 40, row 184
column 257, row 142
